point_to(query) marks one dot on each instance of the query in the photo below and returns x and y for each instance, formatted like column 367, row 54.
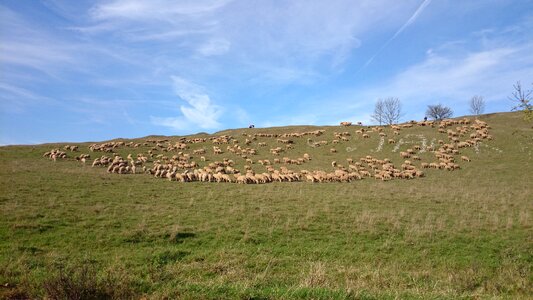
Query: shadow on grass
column 180, row 237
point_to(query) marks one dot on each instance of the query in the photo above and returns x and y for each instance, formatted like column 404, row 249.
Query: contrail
column 409, row 22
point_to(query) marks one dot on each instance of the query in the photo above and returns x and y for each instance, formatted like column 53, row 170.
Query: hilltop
column 462, row 229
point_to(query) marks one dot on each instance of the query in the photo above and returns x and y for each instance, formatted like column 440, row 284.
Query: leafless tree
column 522, row 100
column 392, row 110
column 477, row 105
column 439, row 112
column 379, row 111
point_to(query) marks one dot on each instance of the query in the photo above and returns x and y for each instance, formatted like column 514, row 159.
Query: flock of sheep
column 173, row 160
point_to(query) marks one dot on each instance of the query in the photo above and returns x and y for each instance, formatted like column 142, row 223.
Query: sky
column 96, row 70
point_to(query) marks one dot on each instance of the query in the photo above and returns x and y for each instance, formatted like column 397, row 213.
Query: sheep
column 333, row 150
column 405, row 155
column 199, row 151
column 465, row 158
column 217, row 150
column 54, row 154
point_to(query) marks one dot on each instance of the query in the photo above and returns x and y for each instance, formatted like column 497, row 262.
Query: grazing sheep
column 405, row 155
column 465, row 158
column 54, row 154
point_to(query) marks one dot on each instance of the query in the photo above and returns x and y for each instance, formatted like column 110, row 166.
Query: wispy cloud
column 454, row 77
column 444, row 75
column 200, row 111
column 165, row 10
column 214, row 47
column 283, row 41
column 15, row 98
column 413, row 17
column 24, row 45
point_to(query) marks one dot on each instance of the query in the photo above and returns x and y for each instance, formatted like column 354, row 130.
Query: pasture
column 67, row 228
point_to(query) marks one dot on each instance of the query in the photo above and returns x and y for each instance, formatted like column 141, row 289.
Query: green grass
column 461, row 234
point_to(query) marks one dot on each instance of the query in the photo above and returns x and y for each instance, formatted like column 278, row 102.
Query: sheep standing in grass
column 54, row 154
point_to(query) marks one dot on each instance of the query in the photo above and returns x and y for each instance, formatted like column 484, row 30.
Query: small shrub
column 82, row 282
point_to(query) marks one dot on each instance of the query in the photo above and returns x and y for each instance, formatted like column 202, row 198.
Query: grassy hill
column 68, row 229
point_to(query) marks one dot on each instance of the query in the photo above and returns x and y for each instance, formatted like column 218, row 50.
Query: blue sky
column 96, row 70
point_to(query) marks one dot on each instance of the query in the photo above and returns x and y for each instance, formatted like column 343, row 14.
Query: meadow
column 70, row 230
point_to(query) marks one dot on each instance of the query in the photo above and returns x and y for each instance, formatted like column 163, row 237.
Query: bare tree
column 439, row 112
column 392, row 111
column 477, row 105
column 379, row 111
column 522, row 100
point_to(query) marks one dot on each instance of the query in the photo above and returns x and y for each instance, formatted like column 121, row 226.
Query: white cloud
column 200, row 112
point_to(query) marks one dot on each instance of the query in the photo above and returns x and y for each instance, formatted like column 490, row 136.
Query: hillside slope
column 465, row 232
